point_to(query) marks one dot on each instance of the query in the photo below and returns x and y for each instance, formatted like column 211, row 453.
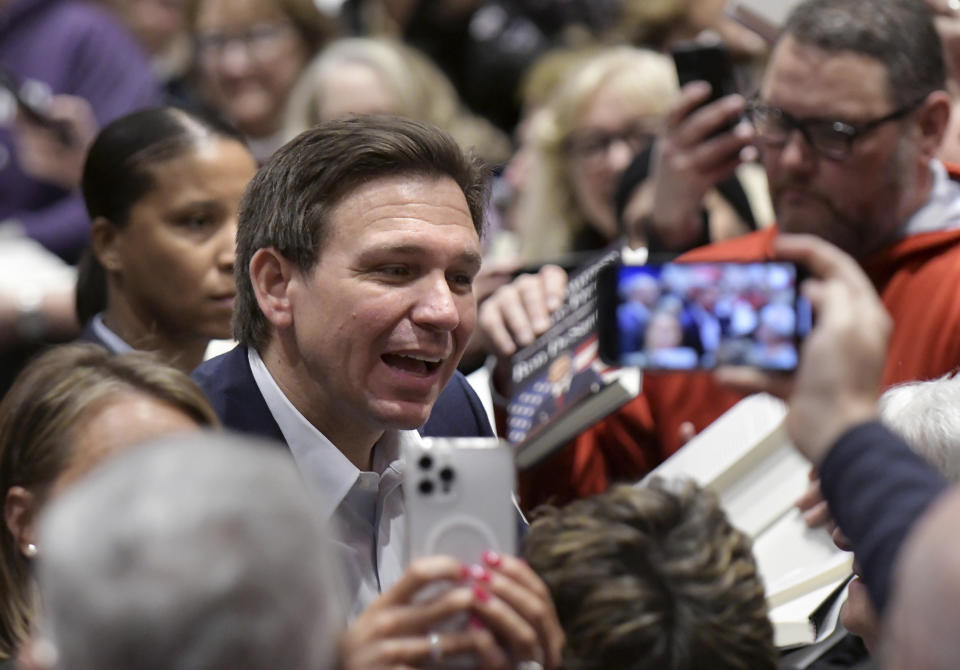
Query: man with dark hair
column 653, row 577
column 357, row 247
column 850, row 115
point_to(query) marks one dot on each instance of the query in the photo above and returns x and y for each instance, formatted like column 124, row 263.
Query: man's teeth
column 420, row 357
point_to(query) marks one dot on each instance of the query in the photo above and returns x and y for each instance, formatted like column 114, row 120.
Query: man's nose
column 436, row 305
column 797, row 153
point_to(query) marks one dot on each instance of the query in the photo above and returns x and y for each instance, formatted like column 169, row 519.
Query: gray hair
column 926, row 415
column 194, row 553
column 900, row 34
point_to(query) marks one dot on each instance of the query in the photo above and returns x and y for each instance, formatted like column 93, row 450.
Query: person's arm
column 877, row 488
column 691, row 156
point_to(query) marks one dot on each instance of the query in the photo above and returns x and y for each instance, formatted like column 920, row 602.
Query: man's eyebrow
column 467, row 257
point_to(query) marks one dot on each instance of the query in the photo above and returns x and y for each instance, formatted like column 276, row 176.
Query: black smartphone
column 711, row 63
column 32, row 111
column 694, row 316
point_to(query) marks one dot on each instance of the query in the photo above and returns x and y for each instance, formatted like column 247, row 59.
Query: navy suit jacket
column 231, row 389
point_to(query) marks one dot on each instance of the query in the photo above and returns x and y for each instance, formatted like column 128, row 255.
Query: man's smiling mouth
column 417, row 364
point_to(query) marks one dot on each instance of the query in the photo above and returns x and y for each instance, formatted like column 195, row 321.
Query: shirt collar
column 941, row 211
column 327, row 473
column 114, row 342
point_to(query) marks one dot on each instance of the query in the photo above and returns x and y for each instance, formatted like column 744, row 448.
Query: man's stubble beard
column 873, row 222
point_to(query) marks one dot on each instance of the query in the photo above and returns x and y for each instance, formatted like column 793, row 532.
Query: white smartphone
column 459, row 498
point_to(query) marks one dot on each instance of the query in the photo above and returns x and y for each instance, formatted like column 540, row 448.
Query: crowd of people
column 249, row 250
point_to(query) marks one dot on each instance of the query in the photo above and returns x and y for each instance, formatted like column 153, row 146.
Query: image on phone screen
column 689, row 316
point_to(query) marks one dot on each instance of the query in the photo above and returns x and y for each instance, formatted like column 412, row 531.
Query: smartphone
column 694, row 316
column 696, row 61
column 33, row 111
column 458, row 494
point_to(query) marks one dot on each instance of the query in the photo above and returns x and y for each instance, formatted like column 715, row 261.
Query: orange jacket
column 918, row 280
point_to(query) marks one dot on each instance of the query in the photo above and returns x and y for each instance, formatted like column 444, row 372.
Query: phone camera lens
column 426, row 462
column 446, row 474
column 426, row 487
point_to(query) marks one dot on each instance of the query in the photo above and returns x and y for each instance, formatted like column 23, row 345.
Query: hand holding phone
column 32, row 111
column 459, row 503
column 702, row 144
column 692, row 316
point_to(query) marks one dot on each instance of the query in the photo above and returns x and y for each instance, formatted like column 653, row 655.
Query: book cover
column 559, row 384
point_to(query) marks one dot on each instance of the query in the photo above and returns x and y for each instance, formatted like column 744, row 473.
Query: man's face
column 382, row 320
column 857, row 202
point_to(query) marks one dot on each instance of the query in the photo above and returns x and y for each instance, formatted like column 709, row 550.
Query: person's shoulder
column 216, row 369
column 458, row 412
column 752, row 246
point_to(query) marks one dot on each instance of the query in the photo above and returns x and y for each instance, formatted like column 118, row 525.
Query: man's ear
column 933, row 117
column 270, row 275
column 104, row 244
column 19, row 512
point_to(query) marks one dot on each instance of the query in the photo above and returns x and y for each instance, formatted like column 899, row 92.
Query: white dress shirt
column 366, row 507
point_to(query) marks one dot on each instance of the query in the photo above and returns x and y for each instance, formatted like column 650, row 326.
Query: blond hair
column 419, row 89
column 549, row 216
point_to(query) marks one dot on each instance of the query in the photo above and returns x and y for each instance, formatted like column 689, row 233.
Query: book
column 746, row 458
column 559, row 385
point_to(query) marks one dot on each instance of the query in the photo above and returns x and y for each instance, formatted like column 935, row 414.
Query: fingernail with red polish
column 492, row 558
column 476, row 622
column 466, row 571
column 481, row 593
column 479, row 573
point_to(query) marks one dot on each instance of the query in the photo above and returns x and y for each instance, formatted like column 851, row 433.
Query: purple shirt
column 64, row 46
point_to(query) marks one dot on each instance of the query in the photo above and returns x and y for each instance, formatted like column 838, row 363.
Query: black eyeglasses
column 833, row 139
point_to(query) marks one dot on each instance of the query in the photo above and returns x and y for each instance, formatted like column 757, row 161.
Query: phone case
column 459, row 498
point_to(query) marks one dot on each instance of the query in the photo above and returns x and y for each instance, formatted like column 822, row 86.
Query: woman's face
column 608, row 134
column 176, row 252
column 249, row 56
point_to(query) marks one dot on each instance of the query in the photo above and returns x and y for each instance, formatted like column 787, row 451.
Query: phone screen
column 691, row 316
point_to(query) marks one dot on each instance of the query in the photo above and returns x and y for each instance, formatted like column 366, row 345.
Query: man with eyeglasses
column 848, row 121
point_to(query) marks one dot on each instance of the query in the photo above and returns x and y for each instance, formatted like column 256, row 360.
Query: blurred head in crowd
column 162, row 189
column 361, row 75
column 608, row 109
column 924, row 414
column 162, row 559
column 851, row 112
column 652, row 577
column 68, row 410
column 249, row 54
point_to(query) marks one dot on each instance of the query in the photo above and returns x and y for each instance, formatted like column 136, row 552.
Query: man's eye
column 195, row 222
column 394, row 270
column 462, row 281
